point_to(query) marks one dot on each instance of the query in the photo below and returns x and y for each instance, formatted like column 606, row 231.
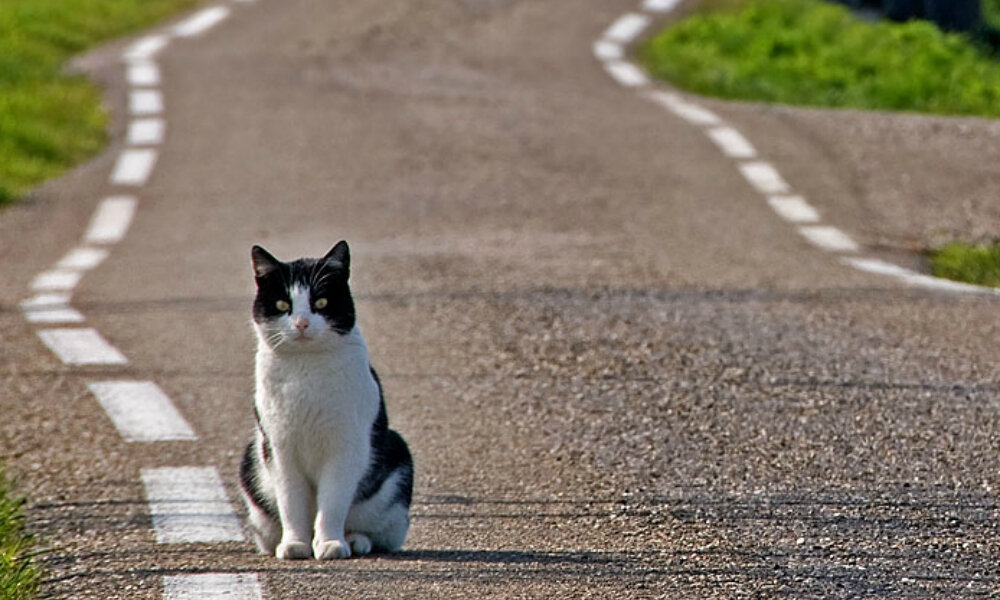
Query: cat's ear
column 341, row 255
column 263, row 262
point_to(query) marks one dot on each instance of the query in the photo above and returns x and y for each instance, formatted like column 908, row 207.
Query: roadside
column 916, row 182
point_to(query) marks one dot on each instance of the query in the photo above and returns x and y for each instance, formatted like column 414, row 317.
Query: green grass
column 814, row 53
column 50, row 121
column 19, row 578
column 971, row 264
column 991, row 12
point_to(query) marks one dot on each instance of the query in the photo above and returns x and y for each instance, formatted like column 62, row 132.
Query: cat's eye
column 283, row 306
column 320, row 303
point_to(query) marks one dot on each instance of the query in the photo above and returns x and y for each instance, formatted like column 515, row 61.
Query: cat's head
column 304, row 305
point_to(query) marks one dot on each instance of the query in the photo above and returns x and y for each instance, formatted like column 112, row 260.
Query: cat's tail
column 259, row 494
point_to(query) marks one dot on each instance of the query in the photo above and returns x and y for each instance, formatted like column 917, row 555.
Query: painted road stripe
column 143, row 73
column 189, row 504
column 880, row 267
column 764, row 177
column 626, row 28
column 605, row 50
column 133, row 167
column 212, row 586
column 660, row 5
column 111, row 220
column 146, row 48
column 56, row 281
column 141, row 411
column 690, row 112
column 829, row 238
column 81, row 347
column 145, row 102
column 142, row 132
column 83, row 258
column 731, row 142
column 50, row 308
column 201, row 21
column 625, row 73
column 794, row 209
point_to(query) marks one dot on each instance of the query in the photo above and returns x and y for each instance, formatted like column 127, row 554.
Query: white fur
column 317, row 400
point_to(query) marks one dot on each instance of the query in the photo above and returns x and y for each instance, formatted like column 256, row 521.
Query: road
column 620, row 373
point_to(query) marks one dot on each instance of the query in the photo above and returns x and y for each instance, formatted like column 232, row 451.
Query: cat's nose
column 300, row 323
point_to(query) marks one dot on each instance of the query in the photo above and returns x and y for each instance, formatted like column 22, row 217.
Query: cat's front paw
column 292, row 550
column 331, row 549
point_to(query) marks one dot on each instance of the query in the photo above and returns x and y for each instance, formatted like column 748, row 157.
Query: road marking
column 82, row 258
column 141, row 412
column 880, row 267
column 143, row 73
column 829, row 238
column 625, row 73
column 764, row 177
column 145, row 102
column 56, row 281
column 690, row 112
column 793, row 209
column 212, row 586
column 146, row 48
column 626, row 28
column 731, row 142
column 111, row 220
column 133, row 167
column 50, row 308
column 81, row 347
column 660, row 5
column 189, row 504
column 605, row 50
column 146, row 131
column 201, row 21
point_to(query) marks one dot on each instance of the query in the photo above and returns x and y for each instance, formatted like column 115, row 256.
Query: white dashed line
column 201, row 21
column 660, row 5
column 793, row 209
column 134, row 167
column 81, row 347
column 731, row 142
column 880, row 267
column 626, row 28
column 141, row 412
column 145, row 102
column 143, row 73
column 605, row 50
column 111, row 220
column 625, row 73
column 146, row 48
column 146, row 132
column 692, row 113
column 50, row 308
column 189, row 504
column 82, row 258
column 764, row 177
column 829, row 238
column 56, row 281
column 212, row 586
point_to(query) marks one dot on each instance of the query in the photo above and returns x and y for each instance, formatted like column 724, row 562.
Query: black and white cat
column 325, row 476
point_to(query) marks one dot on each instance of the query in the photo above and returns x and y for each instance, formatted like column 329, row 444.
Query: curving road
column 622, row 375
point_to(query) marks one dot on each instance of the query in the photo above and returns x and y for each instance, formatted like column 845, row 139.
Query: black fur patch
column 389, row 454
column 250, row 469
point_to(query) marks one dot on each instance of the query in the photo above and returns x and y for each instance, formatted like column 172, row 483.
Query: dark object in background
column 949, row 15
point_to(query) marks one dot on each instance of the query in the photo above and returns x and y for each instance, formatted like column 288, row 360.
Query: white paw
column 360, row 543
column 292, row 550
column 331, row 549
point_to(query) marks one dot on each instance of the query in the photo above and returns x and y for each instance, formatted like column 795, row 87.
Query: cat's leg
column 333, row 501
column 384, row 519
column 296, row 508
column 360, row 543
column 258, row 493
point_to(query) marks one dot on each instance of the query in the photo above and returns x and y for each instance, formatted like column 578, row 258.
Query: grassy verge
column 814, row 53
column 50, row 121
column 18, row 576
column 971, row 264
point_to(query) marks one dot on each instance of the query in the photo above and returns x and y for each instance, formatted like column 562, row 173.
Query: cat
column 325, row 477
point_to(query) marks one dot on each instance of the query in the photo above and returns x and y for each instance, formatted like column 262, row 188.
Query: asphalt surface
column 620, row 373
